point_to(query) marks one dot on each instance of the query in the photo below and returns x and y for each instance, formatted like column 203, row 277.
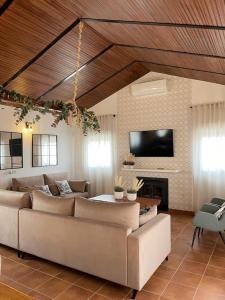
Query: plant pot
column 132, row 196
column 131, row 166
column 126, row 166
column 118, row 195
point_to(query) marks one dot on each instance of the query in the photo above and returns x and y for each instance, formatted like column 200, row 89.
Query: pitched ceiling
column 122, row 41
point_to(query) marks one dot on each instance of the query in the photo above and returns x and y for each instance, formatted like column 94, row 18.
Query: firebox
column 156, row 188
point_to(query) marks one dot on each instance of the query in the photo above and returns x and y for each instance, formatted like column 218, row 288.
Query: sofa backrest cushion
column 50, row 180
column 27, row 182
column 16, row 199
column 77, row 185
column 51, row 204
column 123, row 213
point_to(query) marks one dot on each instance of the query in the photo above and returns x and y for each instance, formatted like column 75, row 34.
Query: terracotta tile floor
column 197, row 273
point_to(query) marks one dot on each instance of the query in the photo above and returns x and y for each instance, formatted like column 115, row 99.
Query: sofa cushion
column 63, row 187
column 16, row 199
column 52, row 178
column 27, row 181
column 76, row 195
column 51, row 204
column 77, row 185
column 30, row 189
column 147, row 216
column 123, row 213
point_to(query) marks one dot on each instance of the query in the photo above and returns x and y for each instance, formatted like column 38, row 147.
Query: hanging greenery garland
column 58, row 108
column 67, row 111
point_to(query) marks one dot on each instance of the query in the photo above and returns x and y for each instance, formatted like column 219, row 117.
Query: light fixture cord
column 76, row 77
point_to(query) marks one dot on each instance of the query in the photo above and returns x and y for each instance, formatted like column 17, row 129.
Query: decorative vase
column 132, row 196
column 118, row 195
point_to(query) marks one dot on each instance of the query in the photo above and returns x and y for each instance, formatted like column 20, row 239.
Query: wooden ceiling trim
column 159, row 24
column 5, row 6
column 81, row 68
column 108, row 78
column 216, row 65
column 198, row 75
column 179, row 67
column 36, row 57
column 169, row 51
column 173, row 11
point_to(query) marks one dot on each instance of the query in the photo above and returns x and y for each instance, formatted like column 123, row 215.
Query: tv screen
column 15, row 146
column 152, row 143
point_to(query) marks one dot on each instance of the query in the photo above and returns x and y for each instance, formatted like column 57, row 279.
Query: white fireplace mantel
column 159, row 170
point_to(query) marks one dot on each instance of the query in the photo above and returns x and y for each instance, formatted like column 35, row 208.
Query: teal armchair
column 211, row 218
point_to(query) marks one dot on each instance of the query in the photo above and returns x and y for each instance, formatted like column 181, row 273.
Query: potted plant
column 135, row 187
column 129, row 161
column 119, row 187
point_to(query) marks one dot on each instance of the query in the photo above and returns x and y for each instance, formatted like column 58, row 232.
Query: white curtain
column 208, row 152
column 95, row 156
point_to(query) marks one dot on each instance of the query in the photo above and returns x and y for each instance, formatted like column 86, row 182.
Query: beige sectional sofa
column 26, row 183
column 102, row 239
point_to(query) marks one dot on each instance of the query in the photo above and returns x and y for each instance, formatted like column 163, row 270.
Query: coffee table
column 144, row 202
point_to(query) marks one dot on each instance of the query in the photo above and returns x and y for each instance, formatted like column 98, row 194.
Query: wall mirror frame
column 44, row 150
column 11, row 150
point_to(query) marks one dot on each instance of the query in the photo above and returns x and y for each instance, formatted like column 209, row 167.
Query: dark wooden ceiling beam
column 36, row 57
column 160, row 24
column 81, row 68
column 108, row 78
column 179, row 67
column 5, row 6
column 168, row 50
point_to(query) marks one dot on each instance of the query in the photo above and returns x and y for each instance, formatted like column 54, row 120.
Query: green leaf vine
column 61, row 110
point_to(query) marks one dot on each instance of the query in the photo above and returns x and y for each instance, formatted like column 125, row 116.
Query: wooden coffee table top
column 144, row 202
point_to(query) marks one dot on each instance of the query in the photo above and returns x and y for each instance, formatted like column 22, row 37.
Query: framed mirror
column 44, row 150
column 11, row 150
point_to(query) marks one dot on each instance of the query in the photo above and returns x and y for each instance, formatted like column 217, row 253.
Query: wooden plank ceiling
column 122, row 41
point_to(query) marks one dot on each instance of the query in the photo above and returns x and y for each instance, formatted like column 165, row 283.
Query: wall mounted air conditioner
column 150, row 88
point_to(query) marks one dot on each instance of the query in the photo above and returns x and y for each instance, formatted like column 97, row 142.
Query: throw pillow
column 54, row 189
column 77, row 185
column 63, row 187
column 45, row 188
column 147, row 215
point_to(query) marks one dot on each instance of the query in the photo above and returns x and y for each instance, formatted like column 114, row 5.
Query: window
column 213, row 153
column 11, row 150
column 99, row 154
column 44, row 150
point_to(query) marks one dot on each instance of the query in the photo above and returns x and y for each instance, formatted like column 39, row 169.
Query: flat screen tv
column 152, row 143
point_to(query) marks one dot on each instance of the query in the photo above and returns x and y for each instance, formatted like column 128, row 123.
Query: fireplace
column 156, row 188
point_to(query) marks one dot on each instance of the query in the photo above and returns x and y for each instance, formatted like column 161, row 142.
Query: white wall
column 207, row 92
column 65, row 144
column 107, row 106
column 168, row 111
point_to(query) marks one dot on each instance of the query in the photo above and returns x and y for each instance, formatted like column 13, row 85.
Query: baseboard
column 181, row 212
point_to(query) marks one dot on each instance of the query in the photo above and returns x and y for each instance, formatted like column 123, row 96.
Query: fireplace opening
column 155, row 188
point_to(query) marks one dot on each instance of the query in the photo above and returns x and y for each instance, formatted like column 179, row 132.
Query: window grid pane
column 44, row 154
